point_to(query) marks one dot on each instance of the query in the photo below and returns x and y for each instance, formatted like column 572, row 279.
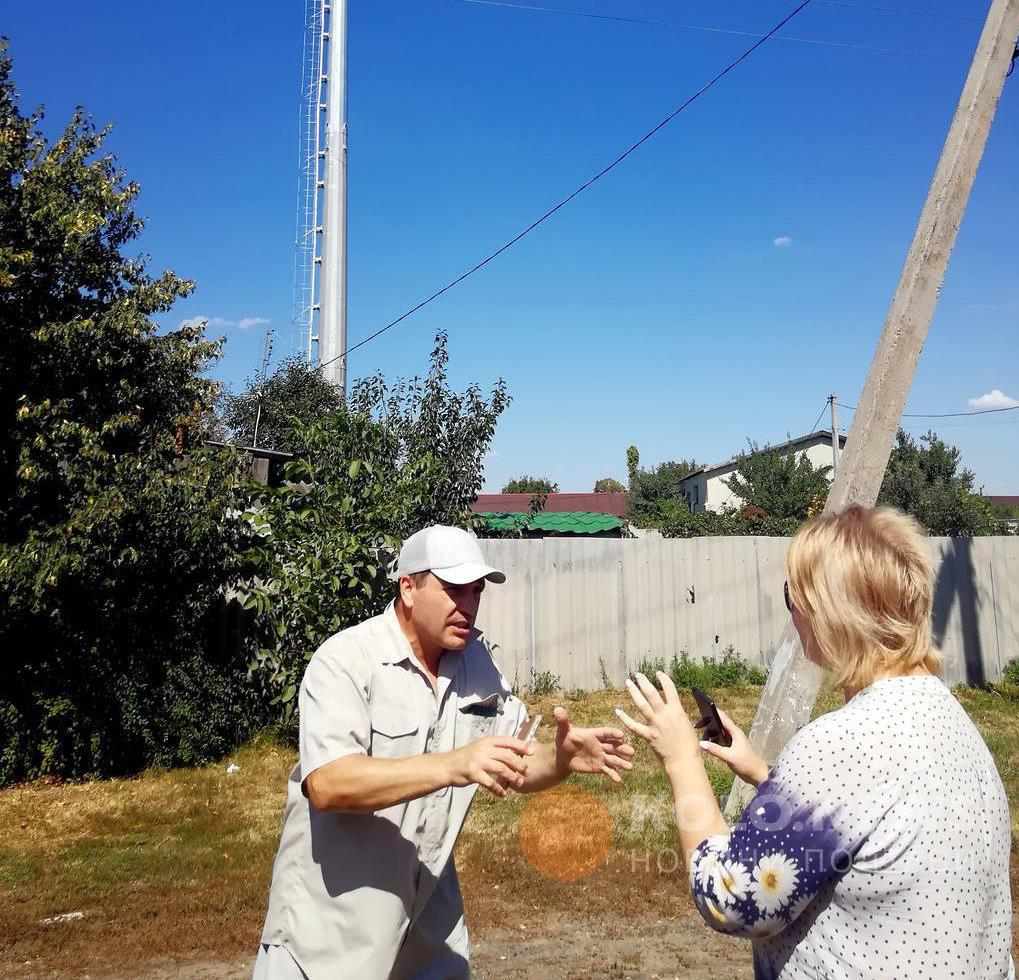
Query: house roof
column 556, row 503
column 1003, row 501
column 789, row 446
column 577, row 522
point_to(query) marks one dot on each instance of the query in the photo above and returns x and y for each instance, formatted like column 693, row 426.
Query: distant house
column 707, row 489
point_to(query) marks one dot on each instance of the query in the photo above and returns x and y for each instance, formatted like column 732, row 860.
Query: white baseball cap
column 449, row 553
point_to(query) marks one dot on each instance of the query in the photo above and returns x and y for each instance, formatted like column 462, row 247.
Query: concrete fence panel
column 587, row 610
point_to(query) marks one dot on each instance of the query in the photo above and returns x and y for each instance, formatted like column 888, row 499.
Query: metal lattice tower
column 305, row 249
column 320, row 259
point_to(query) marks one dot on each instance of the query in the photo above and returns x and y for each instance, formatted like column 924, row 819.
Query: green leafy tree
column 632, row 465
column 655, row 492
column 431, row 421
column 114, row 539
column 926, row 478
column 537, row 485
column 607, row 485
column 294, row 394
column 324, row 541
column 780, row 485
column 365, row 477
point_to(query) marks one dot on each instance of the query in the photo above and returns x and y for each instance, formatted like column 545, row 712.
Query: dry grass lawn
column 175, row 866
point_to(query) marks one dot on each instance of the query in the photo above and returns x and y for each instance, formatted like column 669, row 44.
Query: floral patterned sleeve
column 787, row 846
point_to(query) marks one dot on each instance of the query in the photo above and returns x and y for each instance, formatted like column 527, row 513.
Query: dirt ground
column 629, row 920
column 617, row 924
column 620, row 922
column 572, row 950
column 169, row 873
column 560, row 949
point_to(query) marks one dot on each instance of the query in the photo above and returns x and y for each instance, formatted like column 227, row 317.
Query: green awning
column 569, row 522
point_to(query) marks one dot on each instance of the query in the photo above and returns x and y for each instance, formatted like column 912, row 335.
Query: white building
column 707, row 489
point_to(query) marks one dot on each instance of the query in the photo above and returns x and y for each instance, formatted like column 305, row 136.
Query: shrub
column 649, row 666
column 1010, row 675
column 679, row 522
column 396, row 459
column 606, row 683
column 116, row 527
column 730, row 670
column 543, row 683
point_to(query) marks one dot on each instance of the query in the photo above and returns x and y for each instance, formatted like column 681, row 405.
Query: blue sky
column 713, row 288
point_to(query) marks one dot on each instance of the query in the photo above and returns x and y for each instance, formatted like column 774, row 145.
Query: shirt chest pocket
column 479, row 716
column 394, row 733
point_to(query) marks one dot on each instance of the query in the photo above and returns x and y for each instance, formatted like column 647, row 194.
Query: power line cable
column 562, row 10
column 946, row 415
column 813, row 428
column 583, row 187
column 567, row 12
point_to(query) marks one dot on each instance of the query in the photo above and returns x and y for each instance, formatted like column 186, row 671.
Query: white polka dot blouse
column 877, row 848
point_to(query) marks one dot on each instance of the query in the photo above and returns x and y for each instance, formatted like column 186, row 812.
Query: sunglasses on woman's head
column 788, row 600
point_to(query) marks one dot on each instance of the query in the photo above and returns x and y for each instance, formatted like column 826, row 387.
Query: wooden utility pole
column 836, row 442
column 793, row 682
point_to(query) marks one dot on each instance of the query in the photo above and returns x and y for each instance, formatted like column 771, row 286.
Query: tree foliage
column 926, row 478
column 680, row 522
column 429, row 419
column 632, row 464
column 782, row 485
column 115, row 542
column 655, row 492
column 397, row 459
column 295, row 394
column 531, row 484
column 608, row 485
column 324, row 541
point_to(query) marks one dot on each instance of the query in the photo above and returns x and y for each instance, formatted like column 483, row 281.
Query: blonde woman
column 878, row 844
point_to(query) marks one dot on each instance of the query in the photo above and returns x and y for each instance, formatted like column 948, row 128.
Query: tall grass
column 730, row 670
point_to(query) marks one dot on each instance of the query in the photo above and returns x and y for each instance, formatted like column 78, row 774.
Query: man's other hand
column 590, row 750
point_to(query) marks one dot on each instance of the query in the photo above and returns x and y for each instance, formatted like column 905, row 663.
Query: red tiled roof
column 1003, row 501
column 557, row 503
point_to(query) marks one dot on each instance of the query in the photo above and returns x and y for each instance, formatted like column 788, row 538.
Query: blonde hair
column 863, row 580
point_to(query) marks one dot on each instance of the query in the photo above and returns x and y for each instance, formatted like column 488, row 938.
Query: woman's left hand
column 668, row 730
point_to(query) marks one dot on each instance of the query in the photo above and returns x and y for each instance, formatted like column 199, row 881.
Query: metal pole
column 258, row 418
column 793, row 681
column 835, row 440
column 332, row 322
column 320, row 102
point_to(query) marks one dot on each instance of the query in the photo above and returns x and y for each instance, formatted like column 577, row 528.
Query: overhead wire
column 561, row 10
column 583, row 187
column 567, row 12
column 946, row 415
column 813, row 428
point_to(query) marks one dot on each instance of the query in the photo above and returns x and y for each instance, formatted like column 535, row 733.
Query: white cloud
column 222, row 323
column 993, row 399
column 783, row 241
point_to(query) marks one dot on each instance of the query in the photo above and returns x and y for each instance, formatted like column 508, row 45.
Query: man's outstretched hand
column 590, row 750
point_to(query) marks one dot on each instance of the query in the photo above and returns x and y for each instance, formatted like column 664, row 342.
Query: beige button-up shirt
column 375, row 895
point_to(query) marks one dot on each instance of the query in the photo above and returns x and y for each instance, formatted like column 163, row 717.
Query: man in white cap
column 402, row 717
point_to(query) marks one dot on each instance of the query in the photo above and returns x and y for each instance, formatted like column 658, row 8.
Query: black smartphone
column 711, row 722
